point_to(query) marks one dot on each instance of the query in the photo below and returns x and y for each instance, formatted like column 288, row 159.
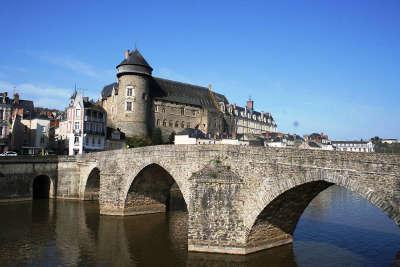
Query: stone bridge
column 239, row 199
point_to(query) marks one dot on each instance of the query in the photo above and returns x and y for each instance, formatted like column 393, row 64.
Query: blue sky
column 317, row 66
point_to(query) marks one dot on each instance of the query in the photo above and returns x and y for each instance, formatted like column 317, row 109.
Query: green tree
column 156, row 137
column 137, row 141
column 171, row 138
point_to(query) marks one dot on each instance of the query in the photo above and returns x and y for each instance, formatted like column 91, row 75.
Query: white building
column 353, row 146
column 86, row 125
column 37, row 135
column 390, row 141
column 185, row 139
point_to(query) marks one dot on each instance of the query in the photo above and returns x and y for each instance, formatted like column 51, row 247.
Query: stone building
column 86, row 125
column 138, row 102
column 12, row 111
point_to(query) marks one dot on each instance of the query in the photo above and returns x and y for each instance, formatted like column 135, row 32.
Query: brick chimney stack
column 250, row 104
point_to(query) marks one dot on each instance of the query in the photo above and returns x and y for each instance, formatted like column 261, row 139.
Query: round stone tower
column 133, row 107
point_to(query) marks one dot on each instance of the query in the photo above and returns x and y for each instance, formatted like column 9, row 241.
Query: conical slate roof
column 135, row 58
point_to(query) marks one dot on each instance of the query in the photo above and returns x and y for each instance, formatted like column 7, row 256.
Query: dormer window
column 222, row 106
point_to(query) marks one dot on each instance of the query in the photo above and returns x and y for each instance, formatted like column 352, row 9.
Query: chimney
column 250, row 104
column 16, row 98
column 126, row 54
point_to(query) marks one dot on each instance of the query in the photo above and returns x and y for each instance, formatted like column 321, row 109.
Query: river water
column 338, row 228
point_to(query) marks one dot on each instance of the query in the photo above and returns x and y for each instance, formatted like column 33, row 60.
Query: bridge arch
column 277, row 211
column 92, row 185
column 43, row 187
column 150, row 188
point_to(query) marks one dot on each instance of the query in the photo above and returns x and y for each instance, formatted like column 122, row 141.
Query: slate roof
column 107, row 90
column 185, row 93
column 135, row 58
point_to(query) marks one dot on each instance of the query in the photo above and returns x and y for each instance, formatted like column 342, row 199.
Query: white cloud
column 70, row 63
column 42, row 95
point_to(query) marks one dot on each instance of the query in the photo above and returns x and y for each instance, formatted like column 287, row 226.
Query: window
column 183, row 111
column 176, row 124
column 188, row 125
column 156, row 108
column 76, row 140
column 158, row 122
column 182, row 124
column 163, row 110
column 194, row 112
column 128, row 106
column 2, row 115
column 77, row 125
column 93, row 140
column 171, row 124
column 87, row 140
column 129, row 91
column 164, row 123
column 1, row 131
column 98, row 141
column 78, row 113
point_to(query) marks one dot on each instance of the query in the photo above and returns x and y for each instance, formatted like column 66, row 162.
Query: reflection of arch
column 279, row 209
column 42, row 187
column 92, row 186
column 150, row 191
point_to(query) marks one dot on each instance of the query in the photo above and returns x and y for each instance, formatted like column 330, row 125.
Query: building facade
column 353, row 146
column 86, row 125
column 37, row 136
column 12, row 111
column 5, row 122
column 138, row 102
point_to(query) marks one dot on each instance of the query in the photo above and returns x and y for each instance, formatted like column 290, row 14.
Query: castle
column 138, row 103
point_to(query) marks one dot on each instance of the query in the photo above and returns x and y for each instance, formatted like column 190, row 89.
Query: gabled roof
column 135, row 58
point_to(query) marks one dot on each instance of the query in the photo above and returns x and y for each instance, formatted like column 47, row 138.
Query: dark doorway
column 41, row 187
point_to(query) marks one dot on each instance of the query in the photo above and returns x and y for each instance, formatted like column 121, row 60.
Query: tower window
column 128, row 106
column 129, row 91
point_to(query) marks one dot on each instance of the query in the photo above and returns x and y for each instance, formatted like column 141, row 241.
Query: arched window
column 158, row 122
column 183, row 111
column 188, row 125
column 171, row 124
column 182, row 124
column 164, row 123
column 176, row 124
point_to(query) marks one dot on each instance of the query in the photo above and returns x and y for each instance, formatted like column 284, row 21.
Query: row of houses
column 280, row 140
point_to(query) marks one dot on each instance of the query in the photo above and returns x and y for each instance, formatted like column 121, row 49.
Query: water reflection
column 338, row 228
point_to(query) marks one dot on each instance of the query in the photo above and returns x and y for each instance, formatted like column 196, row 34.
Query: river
column 338, row 228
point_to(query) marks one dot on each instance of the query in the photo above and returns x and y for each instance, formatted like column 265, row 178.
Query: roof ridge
column 185, row 83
